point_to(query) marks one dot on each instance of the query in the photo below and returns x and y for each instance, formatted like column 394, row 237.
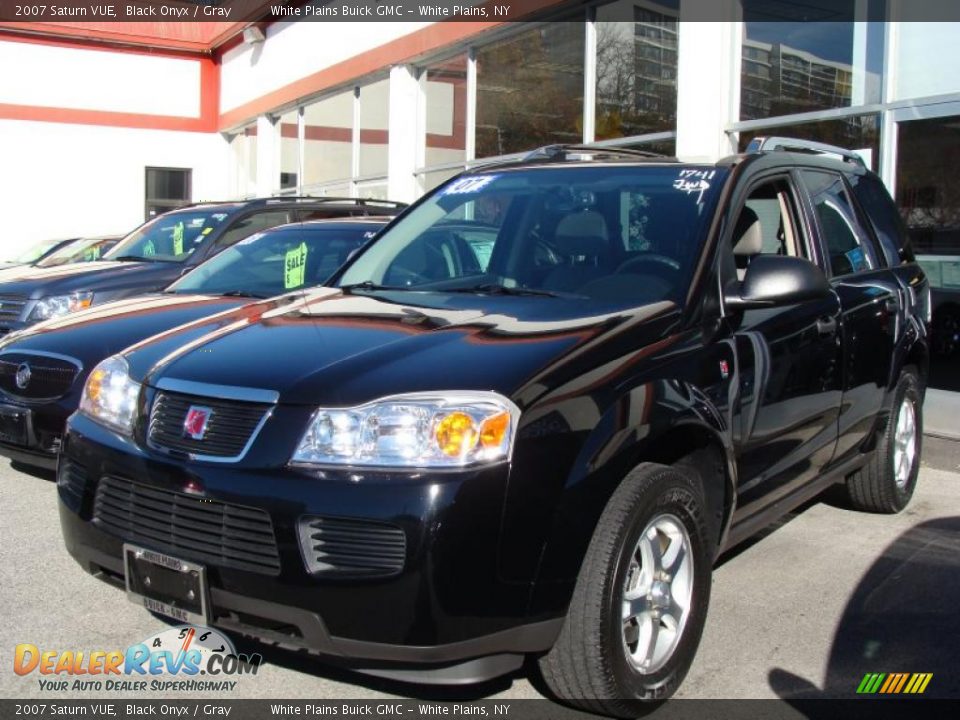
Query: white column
column 590, row 79
column 402, row 150
column 268, row 152
column 708, row 81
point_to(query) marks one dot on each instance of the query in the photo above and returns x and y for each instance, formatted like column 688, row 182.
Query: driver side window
column 767, row 225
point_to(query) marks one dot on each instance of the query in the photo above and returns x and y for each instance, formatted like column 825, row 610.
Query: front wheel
column 641, row 598
column 886, row 483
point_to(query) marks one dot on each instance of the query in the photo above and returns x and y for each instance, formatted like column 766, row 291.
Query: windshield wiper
column 242, row 293
column 131, row 258
column 498, row 289
column 368, row 285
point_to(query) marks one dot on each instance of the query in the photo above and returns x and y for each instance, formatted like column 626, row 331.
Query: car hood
column 327, row 347
column 103, row 330
column 101, row 275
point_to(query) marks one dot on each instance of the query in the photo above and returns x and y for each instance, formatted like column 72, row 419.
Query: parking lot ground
column 819, row 600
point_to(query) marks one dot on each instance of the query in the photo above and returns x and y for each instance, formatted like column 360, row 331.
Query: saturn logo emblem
column 23, row 376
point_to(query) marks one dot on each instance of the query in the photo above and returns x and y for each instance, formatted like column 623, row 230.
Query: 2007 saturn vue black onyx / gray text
column 523, row 421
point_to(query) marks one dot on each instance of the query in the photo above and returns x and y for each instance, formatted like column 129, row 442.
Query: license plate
column 167, row 585
column 13, row 424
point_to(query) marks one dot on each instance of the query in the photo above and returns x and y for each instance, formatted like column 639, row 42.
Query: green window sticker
column 178, row 238
column 149, row 250
column 295, row 267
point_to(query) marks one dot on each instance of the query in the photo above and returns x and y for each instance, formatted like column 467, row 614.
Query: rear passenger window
column 883, row 215
column 849, row 252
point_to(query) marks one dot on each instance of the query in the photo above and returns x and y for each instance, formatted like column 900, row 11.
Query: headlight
column 110, row 396
column 421, row 430
column 57, row 305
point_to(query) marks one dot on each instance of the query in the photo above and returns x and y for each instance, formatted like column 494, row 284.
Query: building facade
column 98, row 131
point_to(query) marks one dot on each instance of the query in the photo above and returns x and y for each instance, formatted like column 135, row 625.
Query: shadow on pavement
column 902, row 617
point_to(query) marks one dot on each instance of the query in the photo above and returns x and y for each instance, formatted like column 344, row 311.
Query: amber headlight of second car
column 110, row 395
column 421, row 430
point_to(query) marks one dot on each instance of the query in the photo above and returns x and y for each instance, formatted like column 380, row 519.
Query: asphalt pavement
column 803, row 610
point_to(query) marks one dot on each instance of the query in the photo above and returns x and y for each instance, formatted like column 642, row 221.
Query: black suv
column 465, row 452
column 160, row 251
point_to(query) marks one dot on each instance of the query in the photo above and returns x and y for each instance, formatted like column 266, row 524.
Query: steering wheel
column 649, row 259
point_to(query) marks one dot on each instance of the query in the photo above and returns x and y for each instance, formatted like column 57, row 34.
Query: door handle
column 891, row 306
column 827, row 325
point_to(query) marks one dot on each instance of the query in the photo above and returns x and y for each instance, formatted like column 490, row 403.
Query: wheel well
column 919, row 358
column 697, row 451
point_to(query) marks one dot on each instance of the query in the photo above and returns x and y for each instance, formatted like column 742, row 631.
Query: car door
column 788, row 359
column 870, row 304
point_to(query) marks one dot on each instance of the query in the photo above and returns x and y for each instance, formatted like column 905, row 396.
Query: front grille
column 49, row 377
column 72, row 480
column 352, row 547
column 11, row 306
column 230, row 427
column 187, row 526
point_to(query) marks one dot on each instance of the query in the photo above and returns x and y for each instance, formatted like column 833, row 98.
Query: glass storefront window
column 289, row 150
column 530, row 90
column 374, row 130
column 928, row 191
column 857, row 132
column 328, row 139
column 445, row 90
column 636, row 68
column 794, row 67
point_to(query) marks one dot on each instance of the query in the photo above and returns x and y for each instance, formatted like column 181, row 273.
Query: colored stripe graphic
column 894, row 683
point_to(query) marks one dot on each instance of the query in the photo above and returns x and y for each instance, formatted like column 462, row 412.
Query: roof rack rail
column 785, row 144
column 559, row 152
column 361, row 202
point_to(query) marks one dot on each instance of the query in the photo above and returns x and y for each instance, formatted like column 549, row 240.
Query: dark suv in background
column 43, row 367
column 158, row 252
column 535, row 438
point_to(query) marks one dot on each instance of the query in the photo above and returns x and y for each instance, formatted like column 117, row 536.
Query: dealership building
column 105, row 123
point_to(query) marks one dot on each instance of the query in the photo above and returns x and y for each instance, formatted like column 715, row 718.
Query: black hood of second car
column 334, row 348
column 103, row 275
column 103, row 330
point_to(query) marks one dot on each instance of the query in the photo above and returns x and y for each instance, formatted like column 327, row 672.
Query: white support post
column 403, row 125
column 470, row 149
column 590, row 78
column 708, row 81
column 268, row 155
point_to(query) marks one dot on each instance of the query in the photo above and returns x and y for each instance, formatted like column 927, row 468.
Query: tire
column 886, row 483
column 603, row 663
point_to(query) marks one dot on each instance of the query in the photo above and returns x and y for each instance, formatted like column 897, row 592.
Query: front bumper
column 445, row 606
column 44, row 428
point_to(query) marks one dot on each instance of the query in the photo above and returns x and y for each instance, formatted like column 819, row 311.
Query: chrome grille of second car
column 46, row 377
column 230, row 426
column 11, row 306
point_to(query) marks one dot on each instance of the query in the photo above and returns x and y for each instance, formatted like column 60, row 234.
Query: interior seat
column 747, row 240
column 583, row 242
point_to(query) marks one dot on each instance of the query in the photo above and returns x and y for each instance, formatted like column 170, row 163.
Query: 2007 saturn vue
column 524, row 420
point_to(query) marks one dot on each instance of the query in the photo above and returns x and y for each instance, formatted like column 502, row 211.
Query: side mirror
column 775, row 280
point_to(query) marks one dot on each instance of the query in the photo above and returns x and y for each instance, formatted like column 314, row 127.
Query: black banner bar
column 98, row 11
column 874, row 708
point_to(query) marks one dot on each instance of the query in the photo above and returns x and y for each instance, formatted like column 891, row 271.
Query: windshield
column 277, row 261
column 35, row 252
column 169, row 238
column 625, row 235
column 83, row 250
